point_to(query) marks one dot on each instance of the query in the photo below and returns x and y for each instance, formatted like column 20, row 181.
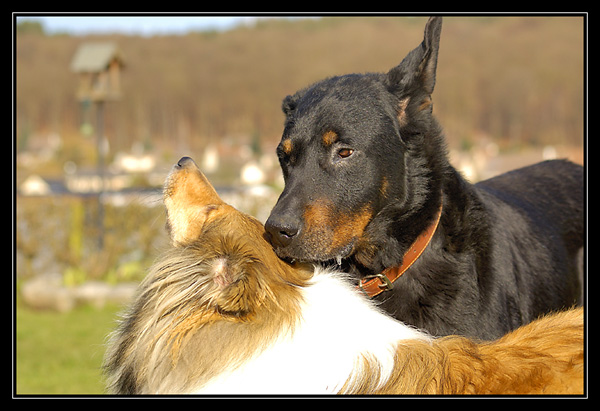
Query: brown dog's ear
column 417, row 70
column 238, row 283
column 190, row 200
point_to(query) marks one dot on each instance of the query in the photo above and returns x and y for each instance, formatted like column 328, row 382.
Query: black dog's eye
column 345, row 152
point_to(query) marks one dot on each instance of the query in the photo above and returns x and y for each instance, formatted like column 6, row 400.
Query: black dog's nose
column 280, row 233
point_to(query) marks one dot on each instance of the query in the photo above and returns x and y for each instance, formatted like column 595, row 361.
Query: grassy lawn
column 61, row 353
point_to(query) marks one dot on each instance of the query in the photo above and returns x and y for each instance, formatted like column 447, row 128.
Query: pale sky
column 136, row 24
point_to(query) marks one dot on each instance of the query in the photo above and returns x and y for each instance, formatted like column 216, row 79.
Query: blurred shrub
column 59, row 235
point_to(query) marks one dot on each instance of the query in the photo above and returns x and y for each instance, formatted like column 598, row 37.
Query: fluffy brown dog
column 220, row 313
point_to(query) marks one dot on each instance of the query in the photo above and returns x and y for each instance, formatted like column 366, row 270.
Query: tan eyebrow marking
column 330, row 137
column 287, row 146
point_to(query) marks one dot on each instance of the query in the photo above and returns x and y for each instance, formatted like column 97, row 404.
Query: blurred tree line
column 516, row 80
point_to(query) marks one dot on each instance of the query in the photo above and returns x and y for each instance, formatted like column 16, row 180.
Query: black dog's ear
column 288, row 105
column 417, row 70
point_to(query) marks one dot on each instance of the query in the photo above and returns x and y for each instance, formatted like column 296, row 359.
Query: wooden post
column 100, row 170
column 98, row 66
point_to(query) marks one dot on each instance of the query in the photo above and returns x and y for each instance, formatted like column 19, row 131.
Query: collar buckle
column 386, row 283
column 369, row 284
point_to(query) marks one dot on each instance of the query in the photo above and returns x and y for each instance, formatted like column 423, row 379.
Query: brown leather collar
column 374, row 285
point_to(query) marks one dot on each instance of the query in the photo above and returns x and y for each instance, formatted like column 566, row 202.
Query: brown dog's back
column 544, row 357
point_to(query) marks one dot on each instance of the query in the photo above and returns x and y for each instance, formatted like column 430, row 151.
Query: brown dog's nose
column 281, row 233
column 185, row 162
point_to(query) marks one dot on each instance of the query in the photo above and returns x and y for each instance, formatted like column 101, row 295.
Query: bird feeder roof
column 95, row 57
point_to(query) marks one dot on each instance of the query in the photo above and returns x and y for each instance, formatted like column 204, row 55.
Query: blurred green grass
column 61, row 353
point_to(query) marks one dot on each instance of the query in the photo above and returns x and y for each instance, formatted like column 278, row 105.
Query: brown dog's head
column 215, row 297
column 238, row 265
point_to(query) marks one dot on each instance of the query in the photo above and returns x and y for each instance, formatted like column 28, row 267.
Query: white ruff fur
column 337, row 328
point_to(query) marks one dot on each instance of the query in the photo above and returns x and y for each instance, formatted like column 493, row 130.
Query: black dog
column 366, row 173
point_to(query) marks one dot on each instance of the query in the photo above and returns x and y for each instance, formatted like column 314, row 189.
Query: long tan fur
column 210, row 288
column 544, row 357
column 220, row 298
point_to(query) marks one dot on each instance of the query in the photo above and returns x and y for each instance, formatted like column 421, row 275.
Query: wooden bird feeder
column 99, row 67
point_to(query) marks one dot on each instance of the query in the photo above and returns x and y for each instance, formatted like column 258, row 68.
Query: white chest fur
column 338, row 327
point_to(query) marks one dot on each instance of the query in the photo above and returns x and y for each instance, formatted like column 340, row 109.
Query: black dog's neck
column 396, row 226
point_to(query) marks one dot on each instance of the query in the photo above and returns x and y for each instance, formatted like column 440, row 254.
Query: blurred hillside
column 515, row 81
